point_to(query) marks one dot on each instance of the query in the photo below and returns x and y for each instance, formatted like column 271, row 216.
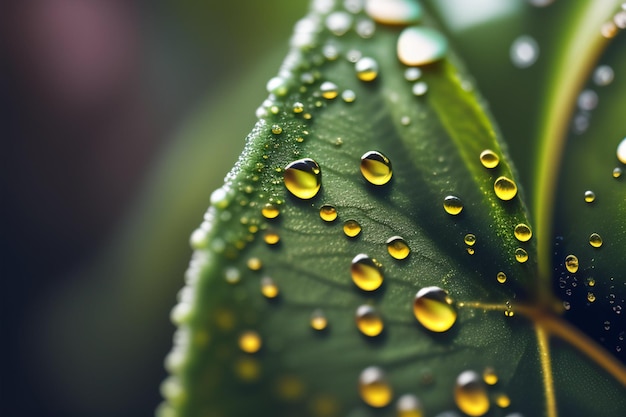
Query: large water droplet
column 433, row 308
column 351, row 228
column 397, row 247
column 368, row 321
column 303, row 178
column 250, row 341
column 376, row 168
column 420, row 45
column 374, row 388
column 505, row 188
column 394, row 12
column 366, row 273
column 489, row 159
column 524, row 51
column 595, row 240
column 452, row 205
column 470, row 394
column 571, row 263
column 522, row 232
column 366, row 69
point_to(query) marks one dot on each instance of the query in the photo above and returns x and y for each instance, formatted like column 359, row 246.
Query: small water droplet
column 620, row 19
column 591, row 282
column 470, row 394
column 522, row 232
column 250, row 341
column 270, row 211
column 277, row 86
column 489, row 159
column 503, row 400
column 617, row 172
column 330, row 52
column 590, row 196
column 420, row 46
column 591, row 297
column 329, row 90
column 405, row 120
column 433, row 308
column 603, row 76
column 470, row 239
column 374, row 389
column 277, row 130
column 412, row 73
column 318, row 320
column 365, row 28
column 298, row 107
column 328, row 213
column 409, row 405
column 394, row 12
column 505, row 188
column 339, row 22
column 595, row 240
column 501, row 277
column 397, row 247
column 609, row 30
column 524, row 51
column 621, row 151
column 254, row 264
column 587, row 100
column 366, row 69
column 489, row 376
column 366, row 272
column 419, row 88
column 348, row 96
column 452, row 205
column 470, row 251
column 271, row 237
column 269, row 289
column 521, row 255
column 571, row 263
column 303, row 178
column 368, row 321
column 376, row 168
column 351, row 228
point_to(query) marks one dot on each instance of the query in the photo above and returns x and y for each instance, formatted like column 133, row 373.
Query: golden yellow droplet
column 329, row 90
column 505, row 188
column 397, row 247
column 503, row 400
column 595, row 240
column 590, row 196
column 298, row 107
column 617, row 172
column 452, row 205
column 374, row 389
column 366, row 273
column 270, row 211
column 509, row 312
column 571, row 263
column 351, row 228
column 376, row 168
column 489, row 158
column 303, row 178
column 489, row 376
column 591, row 282
column 254, row 264
column 521, row 255
column 250, row 341
column 318, row 320
column 591, row 297
column 433, row 308
column 501, row 277
column 368, row 321
column 269, row 289
column 470, row 239
column 271, row 237
column 522, row 232
column 366, row 69
column 470, row 394
column 277, row 130
column 328, row 213
column 409, row 405
column 470, row 251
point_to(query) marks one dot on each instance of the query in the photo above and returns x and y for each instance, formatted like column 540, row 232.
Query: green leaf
column 433, row 142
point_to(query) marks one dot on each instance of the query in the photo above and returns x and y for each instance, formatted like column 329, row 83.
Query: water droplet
column 366, row 273
column 433, row 308
column 501, row 277
column 328, row 213
column 232, row 275
column 330, row 52
column 591, row 282
column 489, row 158
column 620, row 19
column 590, row 196
column 452, row 205
column 587, row 100
column 366, row 69
column 420, row 45
column 524, row 51
column 521, row 255
column 277, row 130
column 522, row 232
column 412, row 74
column 250, row 341
column 368, row 321
column 270, row 211
column 503, row 400
column 419, row 88
column 608, row 30
column 269, row 289
column 278, row 86
column 374, row 388
column 505, row 188
column 595, row 240
column 365, row 28
column 571, row 263
column 348, row 96
column 397, row 247
column 603, row 76
column 303, row 178
column 470, row 239
column 394, row 12
column 621, row 151
column 338, row 23
column 470, row 394
column 271, row 237
column 353, row 55
column 591, row 297
column 617, row 172
column 470, row 251
column 489, row 376
column 351, row 228
column 409, row 405
column 254, row 264
column 298, row 107
column 199, row 239
column 405, row 120
column 329, row 90
column 376, row 168
column 318, row 320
